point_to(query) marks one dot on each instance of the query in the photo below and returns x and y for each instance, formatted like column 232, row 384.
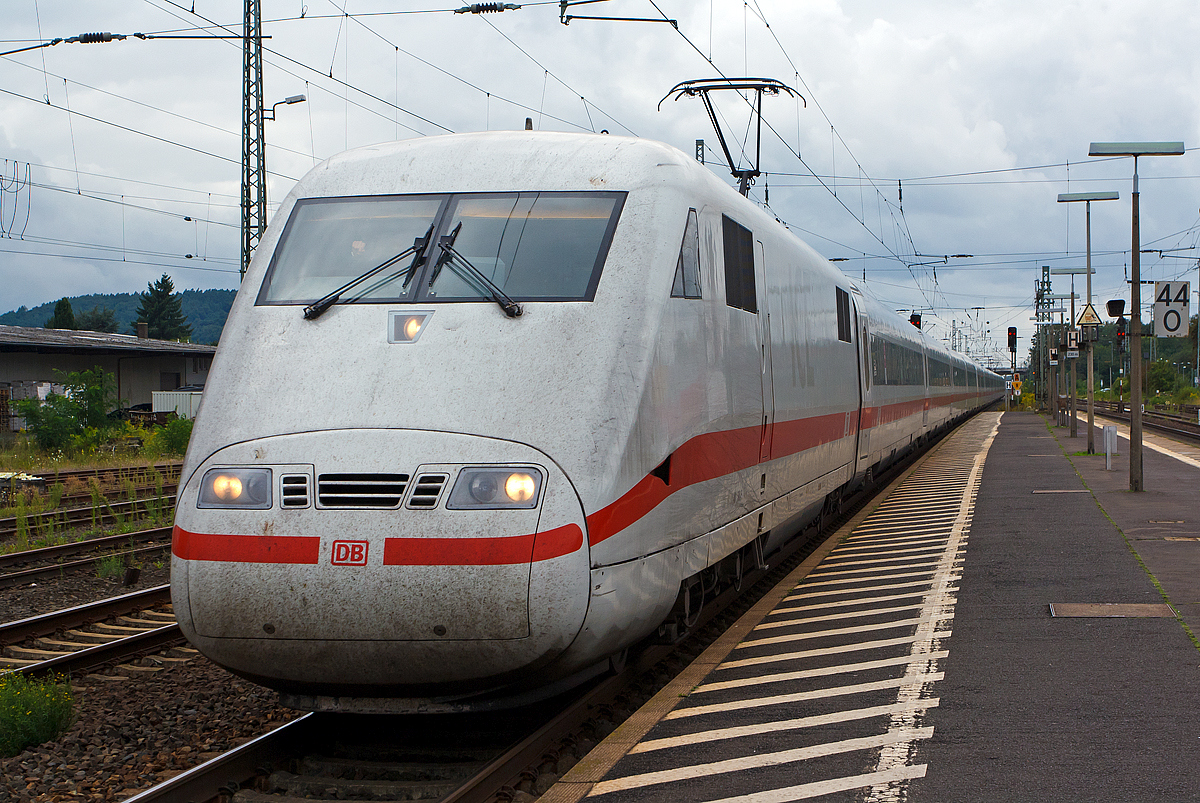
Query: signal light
column 1122, row 333
column 915, row 319
column 1012, row 339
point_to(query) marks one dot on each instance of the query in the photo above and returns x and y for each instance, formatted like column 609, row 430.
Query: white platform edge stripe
column 794, row 619
column 776, row 726
column 821, row 671
column 822, row 788
column 802, row 592
column 844, row 648
column 754, row 762
column 813, row 694
column 844, row 631
column 848, row 603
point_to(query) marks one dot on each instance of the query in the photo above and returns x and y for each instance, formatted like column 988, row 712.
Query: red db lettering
column 349, row 553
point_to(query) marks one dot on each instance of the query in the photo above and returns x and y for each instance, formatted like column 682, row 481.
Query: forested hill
column 205, row 311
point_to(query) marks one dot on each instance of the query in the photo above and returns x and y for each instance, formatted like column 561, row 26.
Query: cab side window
column 687, row 269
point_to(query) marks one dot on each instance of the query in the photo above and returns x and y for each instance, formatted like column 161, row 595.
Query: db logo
column 349, row 553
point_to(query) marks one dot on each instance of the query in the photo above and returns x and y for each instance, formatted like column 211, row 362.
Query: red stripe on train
column 245, row 548
column 295, row 549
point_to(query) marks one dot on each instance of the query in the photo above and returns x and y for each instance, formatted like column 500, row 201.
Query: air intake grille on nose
column 295, row 491
column 361, row 490
column 426, row 490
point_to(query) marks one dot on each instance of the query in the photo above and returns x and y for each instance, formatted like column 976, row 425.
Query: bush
column 52, row 423
column 32, row 711
column 170, row 439
column 64, row 420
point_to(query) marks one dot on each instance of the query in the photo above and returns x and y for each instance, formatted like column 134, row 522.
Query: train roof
column 500, row 161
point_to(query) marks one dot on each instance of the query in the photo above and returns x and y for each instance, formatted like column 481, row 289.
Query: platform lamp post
column 1135, row 149
column 1087, row 198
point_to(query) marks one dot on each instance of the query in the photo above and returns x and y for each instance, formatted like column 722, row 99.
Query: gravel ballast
column 133, row 733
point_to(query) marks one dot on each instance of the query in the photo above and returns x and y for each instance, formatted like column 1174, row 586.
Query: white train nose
column 358, row 577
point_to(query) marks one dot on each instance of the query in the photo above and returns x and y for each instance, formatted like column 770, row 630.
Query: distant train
column 491, row 408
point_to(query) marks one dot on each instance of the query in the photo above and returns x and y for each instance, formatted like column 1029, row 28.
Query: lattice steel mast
column 254, row 164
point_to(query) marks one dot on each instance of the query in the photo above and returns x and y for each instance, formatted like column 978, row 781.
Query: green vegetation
column 162, row 310
column 205, row 311
column 64, row 316
column 33, row 711
column 171, row 439
column 1168, row 378
column 63, row 420
column 77, row 423
column 98, row 319
column 110, row 567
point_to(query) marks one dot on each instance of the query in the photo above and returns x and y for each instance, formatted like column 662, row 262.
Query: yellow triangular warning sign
column 1089, row 317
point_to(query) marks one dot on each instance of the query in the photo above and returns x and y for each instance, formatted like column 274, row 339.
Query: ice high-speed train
column 490, row 408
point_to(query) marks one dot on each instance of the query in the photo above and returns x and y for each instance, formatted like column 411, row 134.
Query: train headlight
column 240, row 488
column 491, row 488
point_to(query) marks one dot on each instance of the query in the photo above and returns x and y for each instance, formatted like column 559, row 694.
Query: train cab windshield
column 533, row 246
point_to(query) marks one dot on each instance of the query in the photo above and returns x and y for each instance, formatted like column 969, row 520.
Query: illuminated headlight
column 242, row 488
column 491, row 488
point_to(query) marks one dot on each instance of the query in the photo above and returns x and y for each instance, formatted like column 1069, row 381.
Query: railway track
column 119, row 474
column 92, row 516
column 110, row 633
column 1169, row 423
column 18, row 568
column 324, row 756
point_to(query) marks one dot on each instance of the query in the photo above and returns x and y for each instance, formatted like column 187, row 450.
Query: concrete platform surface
column 1049, row 655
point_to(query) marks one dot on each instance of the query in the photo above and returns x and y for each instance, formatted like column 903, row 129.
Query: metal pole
column 1135, row 350
column 254, row 168
column 1062, row 365
column 1071, row 387
column 1091, row 386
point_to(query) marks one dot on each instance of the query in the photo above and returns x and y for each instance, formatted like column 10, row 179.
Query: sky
column 928, row 129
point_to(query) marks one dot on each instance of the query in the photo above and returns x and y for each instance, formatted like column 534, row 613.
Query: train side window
column 739, row 265
column 687, row 269
column 843, row 314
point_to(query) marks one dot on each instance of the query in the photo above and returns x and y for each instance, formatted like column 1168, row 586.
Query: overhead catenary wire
column 797, row 154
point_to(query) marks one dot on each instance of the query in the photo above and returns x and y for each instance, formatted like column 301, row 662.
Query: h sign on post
column 1172, row 301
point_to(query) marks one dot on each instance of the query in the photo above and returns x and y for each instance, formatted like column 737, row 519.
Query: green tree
column 1160, row 377
column 98, row 319
column 162, row 310
column 61, row 418
column 64, row 316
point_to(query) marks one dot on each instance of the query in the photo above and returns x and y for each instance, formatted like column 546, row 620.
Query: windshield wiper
column 318, row 308
column 463, row 267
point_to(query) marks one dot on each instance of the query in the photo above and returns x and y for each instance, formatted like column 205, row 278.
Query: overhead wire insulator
column 93, row 38
column 487, row 8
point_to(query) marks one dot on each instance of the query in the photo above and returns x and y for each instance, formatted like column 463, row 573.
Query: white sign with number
column 1172, row 302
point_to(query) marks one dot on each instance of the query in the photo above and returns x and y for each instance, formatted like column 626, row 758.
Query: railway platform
column 1009, row 623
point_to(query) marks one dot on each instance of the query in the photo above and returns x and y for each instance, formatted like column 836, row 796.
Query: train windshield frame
column 535, row 246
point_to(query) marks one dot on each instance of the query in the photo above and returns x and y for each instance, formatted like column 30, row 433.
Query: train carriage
column 490, row 408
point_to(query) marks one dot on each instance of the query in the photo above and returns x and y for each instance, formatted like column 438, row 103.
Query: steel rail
column 88, row 473
column 168, row 488
column 80, row 547
column 124, row 649
column 81, row 515
column 212, row 778
column 81, row 615
column 21, row 577
column 1170, row 424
